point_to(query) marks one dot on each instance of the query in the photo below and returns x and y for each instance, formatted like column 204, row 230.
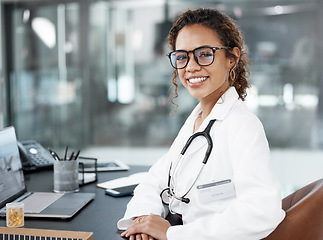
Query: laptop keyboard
column 38, row 201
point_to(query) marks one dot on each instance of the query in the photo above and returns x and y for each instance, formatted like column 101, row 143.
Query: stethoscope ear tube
column 206, row 134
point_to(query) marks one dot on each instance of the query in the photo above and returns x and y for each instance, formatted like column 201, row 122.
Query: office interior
column 93, row 75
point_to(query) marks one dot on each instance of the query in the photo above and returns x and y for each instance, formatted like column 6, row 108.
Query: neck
column 206, row 109
column 208, row 104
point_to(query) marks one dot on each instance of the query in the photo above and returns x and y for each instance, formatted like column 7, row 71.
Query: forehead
column 191, row 37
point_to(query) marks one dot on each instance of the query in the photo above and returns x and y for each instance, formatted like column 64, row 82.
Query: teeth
column 196, row 80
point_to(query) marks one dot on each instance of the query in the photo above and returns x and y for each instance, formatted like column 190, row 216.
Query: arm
column 146, row 198
column 147, row 201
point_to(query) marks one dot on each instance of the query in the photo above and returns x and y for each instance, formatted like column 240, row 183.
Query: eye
column 181, row 56
column 205, row 53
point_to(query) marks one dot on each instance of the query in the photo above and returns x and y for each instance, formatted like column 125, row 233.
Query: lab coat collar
column 224, row 104
column 220, row 109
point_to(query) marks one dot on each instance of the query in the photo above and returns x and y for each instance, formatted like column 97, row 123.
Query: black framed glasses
column 203, row 56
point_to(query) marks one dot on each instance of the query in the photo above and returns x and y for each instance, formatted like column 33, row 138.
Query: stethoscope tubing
column 171, row 180
column 206, row 134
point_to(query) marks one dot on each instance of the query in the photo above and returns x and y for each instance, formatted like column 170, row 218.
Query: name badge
column 216, row 191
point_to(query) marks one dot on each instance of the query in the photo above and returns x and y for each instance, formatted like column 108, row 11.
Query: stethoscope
column 168, row 194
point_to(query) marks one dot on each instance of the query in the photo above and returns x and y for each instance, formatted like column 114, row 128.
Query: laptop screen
column 11, row 175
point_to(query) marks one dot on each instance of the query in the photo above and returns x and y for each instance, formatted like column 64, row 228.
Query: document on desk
column 135, row 178
column 88, row 177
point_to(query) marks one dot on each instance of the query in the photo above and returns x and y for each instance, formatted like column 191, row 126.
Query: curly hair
column 229, row 35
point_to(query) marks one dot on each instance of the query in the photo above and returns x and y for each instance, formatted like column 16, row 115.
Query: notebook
column 36, row 204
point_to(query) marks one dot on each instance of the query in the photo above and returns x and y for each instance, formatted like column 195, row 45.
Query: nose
column 192, row 65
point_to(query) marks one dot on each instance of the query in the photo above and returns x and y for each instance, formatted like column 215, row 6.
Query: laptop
column 36, row 204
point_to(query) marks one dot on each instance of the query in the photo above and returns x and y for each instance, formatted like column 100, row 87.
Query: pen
column 65, row 155
column 54, row 154
column 71, row 157
column 77, row 154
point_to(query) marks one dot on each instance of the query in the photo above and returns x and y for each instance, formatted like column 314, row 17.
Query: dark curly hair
column 229, row 35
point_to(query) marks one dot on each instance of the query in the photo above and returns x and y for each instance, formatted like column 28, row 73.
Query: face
column 206, row 83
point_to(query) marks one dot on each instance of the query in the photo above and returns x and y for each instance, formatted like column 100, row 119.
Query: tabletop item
column 15, row 214
column 43, row 234
column 36, row 203
column 66, row 176
column 121, row 191
column 131, row 179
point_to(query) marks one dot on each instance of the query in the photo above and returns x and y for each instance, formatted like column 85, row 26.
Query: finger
column 138, row 237
column 144, row 236
column 151, row 238
column 133, row 229
column 132, row 237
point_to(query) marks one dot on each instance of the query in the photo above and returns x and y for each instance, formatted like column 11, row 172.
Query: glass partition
column 2, row 86
column 96, row 73
column 45, row 74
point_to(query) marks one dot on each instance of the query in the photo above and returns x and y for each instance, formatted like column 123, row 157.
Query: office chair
column 304, row 215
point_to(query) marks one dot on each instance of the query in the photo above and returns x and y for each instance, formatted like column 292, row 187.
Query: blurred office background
column 94, row 75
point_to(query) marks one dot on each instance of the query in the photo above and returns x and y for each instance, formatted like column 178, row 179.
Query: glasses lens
column 178, row 59
column 205, row 56
column 165, row 195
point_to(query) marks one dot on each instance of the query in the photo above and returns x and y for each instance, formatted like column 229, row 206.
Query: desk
column 100, row 216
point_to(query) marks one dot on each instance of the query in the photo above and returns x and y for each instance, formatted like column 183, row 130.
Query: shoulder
column 243, row 117
column 240, row 123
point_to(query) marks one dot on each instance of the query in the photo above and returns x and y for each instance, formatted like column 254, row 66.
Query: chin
column 196, row 95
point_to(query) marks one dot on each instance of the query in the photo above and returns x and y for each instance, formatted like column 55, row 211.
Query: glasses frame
column 169, row 55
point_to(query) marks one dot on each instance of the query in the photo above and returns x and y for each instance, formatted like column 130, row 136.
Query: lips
column 197, row 79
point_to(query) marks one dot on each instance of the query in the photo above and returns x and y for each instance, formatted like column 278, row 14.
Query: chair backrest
column 304, row 215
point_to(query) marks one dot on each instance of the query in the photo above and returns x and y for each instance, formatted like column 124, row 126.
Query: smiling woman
column 205, row 82
column 225, row 33
column 226, row 191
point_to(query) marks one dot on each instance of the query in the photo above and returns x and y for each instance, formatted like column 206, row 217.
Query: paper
column 124, row 181
column 88, row 177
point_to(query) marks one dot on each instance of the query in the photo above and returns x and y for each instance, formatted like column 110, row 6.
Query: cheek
column 220, row 71
column 181, row 76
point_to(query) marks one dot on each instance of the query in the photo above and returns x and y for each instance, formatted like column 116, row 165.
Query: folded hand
column 147, row 228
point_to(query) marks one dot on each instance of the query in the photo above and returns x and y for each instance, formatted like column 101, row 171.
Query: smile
column 197, row 80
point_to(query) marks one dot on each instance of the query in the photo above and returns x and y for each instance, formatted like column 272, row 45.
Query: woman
column 234, row 193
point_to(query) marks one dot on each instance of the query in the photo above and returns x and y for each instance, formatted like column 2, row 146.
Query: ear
column 234, row 60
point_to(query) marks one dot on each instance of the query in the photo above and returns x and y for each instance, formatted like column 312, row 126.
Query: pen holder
column 66, row 176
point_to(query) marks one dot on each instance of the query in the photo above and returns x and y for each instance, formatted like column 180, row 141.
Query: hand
column 140, row 236
column 152, row 226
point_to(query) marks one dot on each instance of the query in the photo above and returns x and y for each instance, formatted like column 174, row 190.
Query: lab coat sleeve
column 256, row 211
column 146, row 198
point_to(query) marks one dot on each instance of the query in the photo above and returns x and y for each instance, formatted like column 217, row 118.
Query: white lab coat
column 240, row 153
